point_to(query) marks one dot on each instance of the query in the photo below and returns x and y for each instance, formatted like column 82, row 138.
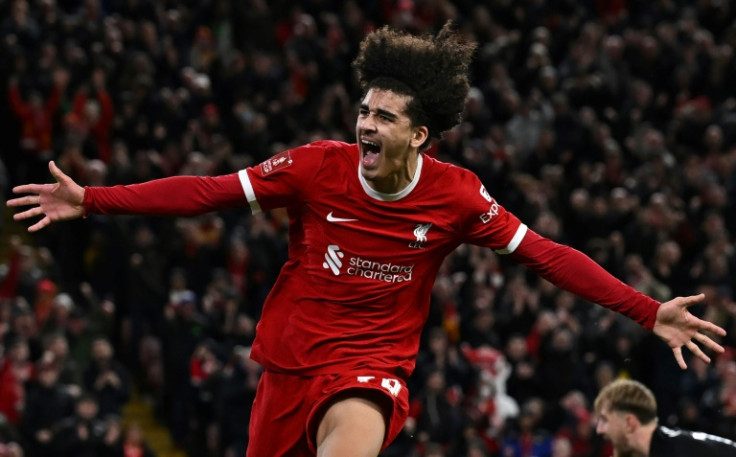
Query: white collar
column 397, row 195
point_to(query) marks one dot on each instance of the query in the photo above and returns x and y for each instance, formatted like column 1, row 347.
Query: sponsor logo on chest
column 360, row 266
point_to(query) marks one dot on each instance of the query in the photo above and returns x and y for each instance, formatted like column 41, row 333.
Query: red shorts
column 287, row 409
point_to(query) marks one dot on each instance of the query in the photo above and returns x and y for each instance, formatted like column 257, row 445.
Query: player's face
column 612, row 426
column 387, row 141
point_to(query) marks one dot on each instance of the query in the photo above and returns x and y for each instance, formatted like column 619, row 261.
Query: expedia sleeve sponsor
column 485, row 222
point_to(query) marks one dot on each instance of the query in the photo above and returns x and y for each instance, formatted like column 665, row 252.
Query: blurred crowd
column 606, row 125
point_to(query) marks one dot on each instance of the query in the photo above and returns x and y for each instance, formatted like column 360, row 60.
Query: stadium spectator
column 93, row 113
column 36, row 115
column 15, row 373
column 132, row 443
column 627, row 416
column 47, row 404
column 84, row 433
column 107, row 379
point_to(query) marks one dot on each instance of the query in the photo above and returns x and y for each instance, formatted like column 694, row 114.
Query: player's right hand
column 59, row 201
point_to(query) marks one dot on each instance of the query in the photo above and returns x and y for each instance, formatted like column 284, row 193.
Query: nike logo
column 331, row 218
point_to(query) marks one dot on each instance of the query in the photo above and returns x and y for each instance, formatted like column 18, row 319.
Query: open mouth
column 371, row 152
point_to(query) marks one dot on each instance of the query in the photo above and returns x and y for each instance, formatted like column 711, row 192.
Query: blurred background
column 608, row 125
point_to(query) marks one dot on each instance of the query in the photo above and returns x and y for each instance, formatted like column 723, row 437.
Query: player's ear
column 419, row 136
column 632, row 423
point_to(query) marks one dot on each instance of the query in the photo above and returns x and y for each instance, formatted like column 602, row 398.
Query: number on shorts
column 392, row 385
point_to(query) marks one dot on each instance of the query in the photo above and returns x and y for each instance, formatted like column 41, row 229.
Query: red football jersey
column 356, row 288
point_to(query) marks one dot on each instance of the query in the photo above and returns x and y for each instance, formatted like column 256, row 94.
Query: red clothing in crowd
column 36, row 123
column 98, row 128
column 13, row 376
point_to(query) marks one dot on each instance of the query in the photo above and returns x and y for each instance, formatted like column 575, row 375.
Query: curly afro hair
column 432, row 70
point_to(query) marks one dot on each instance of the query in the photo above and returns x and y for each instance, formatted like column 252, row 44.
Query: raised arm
column 574, row 271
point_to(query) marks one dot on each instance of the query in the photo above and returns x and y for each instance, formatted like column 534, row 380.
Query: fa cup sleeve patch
column 277, row 162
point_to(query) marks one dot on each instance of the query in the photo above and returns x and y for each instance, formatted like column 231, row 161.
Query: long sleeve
column 173, row 196
column 575, row 272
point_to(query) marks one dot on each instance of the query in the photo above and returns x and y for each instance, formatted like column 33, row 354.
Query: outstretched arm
column 59, row 201
column 574, row 271
column 172, row 196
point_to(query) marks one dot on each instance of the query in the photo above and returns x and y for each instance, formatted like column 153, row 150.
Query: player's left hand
column 678, row 327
